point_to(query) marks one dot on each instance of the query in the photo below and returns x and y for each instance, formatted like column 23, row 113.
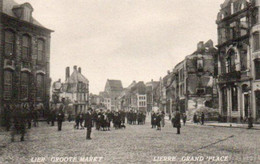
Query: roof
column 76, row 77
column 115, row 85
column 104, row 94
column 8, row 6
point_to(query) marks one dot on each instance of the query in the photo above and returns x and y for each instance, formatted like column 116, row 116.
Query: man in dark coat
column 60, row 118
column 158, row 121
column 88, row 123
column 177, row 122
column 77, row 120
column 202, row 118
column 184, row 118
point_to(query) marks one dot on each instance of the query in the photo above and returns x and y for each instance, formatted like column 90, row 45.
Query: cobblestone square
column 135, row 144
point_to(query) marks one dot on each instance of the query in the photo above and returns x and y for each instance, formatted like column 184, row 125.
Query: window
column 8, row 84
column 40, row 86
column 234, row 98
column 9, row 43
column 200, row 64
column 26, row 47
column 27, row 14
column 231, row 61
column 257, row 69
column 24, row 85
column 255, row 16
column 256, row 41
column 40, row 56
column 232, row 8
column 243, row 59
column 200, row 91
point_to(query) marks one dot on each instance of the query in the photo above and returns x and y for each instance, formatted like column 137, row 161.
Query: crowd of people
column 20, row 117
column 102, row 119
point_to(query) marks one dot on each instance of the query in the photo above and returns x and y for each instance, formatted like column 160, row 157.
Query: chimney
column 168, row 72
column 67, row 73
column 79, row 70
column 200, row 45
column 75, row 67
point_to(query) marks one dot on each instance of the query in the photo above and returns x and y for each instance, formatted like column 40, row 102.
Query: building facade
column 74, row 91
column 191, row 83
column 238, row 60
column 114, row 89
column 24, row 57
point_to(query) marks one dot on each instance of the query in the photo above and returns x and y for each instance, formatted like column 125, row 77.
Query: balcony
column 229, row 77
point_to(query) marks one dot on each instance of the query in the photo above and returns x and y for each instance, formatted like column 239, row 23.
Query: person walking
column 202, row 118
column 177, row 122
column 60, row 118
column 88, row 123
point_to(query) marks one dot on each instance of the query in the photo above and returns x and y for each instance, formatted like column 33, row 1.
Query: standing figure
column 162, row 118
column 177, row 122
column 53, row 116
column 202, row 118
column 81, row 119
column 60, row 118
column 77, row 121
column 250, row 121
column 88, row 123
column 153, row 119
column 158, row 121
column 184, row 118
column 195, row 119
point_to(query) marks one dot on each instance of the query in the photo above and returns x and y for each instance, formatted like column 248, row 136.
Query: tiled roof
column 76, row 77
column 115, row 85
column 7, row 9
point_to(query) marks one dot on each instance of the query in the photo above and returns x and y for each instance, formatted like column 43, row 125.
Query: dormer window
column 23, row 12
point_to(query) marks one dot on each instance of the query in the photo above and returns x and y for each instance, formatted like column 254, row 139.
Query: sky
column 124, row 39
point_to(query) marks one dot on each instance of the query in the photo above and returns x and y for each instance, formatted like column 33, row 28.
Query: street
column 135, row 144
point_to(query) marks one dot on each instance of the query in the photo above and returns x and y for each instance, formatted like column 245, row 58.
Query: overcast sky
column 124, row 39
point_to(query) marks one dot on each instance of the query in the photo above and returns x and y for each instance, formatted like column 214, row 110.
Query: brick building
column 24, row 56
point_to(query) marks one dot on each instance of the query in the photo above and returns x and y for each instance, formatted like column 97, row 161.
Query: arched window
column 9, row 42
column 40, row 86
column 40, row 50
column 25, row 80
column 8, row 84
column 231, row 65
column 26, row 46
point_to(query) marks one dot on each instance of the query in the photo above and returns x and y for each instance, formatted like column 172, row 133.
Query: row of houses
column 225, row 77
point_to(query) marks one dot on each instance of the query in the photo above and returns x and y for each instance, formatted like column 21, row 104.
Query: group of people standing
column 157, row 119
column 134, row 117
